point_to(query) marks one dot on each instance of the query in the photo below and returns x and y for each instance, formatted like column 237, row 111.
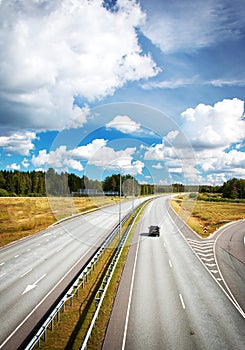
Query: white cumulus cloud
column 18, row 142
column 13, row 166
column 95, row 153
column 215, row 126
column 124, row 124
column 52, row 52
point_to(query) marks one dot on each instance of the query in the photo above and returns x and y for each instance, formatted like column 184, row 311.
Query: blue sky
column 152, row 88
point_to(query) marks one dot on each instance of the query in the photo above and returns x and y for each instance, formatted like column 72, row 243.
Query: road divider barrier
column 79, row 283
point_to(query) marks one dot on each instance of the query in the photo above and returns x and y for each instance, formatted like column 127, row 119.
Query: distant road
column 170, row 295
column 35, row 270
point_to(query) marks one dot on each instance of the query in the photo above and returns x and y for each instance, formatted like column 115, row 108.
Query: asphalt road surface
column 230, row 255
column 34, row 271
column 171, row 295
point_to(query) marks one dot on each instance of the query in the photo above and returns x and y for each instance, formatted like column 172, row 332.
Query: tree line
column 39, row 183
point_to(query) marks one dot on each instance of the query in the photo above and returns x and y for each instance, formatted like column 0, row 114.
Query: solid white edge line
column 130, row 298
column 234, row 299
column 182, row 301
column 231, row 298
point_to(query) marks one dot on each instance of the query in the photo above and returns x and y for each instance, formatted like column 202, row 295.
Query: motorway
column 34, row 271
column 172, row 294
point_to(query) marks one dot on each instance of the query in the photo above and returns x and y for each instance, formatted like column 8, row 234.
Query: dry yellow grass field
column 212, row 214
column 21, row 217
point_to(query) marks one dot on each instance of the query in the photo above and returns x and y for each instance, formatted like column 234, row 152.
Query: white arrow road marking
column 34, row 285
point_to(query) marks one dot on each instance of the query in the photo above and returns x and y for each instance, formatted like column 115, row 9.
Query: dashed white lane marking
column 59, row 249
column 16, row 256
column 3, row 274
column 2, row 263
column 182, row 301
column 25, row 273
column 170, row 264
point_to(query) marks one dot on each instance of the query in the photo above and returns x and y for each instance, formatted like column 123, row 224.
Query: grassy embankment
column 198, row 213
column 21, row 217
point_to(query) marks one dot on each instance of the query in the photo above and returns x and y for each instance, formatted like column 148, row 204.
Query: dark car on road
column 154, row 231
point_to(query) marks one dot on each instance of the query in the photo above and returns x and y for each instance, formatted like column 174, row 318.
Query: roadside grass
column 213, row 215
column 98, row 334
column 24, row 216
column 69, row 332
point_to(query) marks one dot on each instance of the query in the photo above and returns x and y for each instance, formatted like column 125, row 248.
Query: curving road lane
column 168, row 298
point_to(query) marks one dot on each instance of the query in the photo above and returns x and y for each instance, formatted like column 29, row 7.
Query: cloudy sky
column 154, row 88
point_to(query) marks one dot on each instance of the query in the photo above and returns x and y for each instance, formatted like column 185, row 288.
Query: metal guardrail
column 105, row 283
column 73, row 290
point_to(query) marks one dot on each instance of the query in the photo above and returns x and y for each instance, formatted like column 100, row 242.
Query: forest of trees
column 39, row 183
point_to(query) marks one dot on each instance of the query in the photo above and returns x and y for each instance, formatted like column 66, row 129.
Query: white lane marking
column 170, row 264
column 214, row 271
column 28, row 250
column 182, row 301
column 203, row 245
column 199, row 242
column 3, row 274
column 34, row 285
column 229, row 294
column 58, row 250
column 2, row 263
column 130, row 298
column 207, row 259
column 25, row 273
column 204, row 250
column 16, row 256
column 41, row 301
column 164, row 244
column 204, row 254
column 210, row 265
